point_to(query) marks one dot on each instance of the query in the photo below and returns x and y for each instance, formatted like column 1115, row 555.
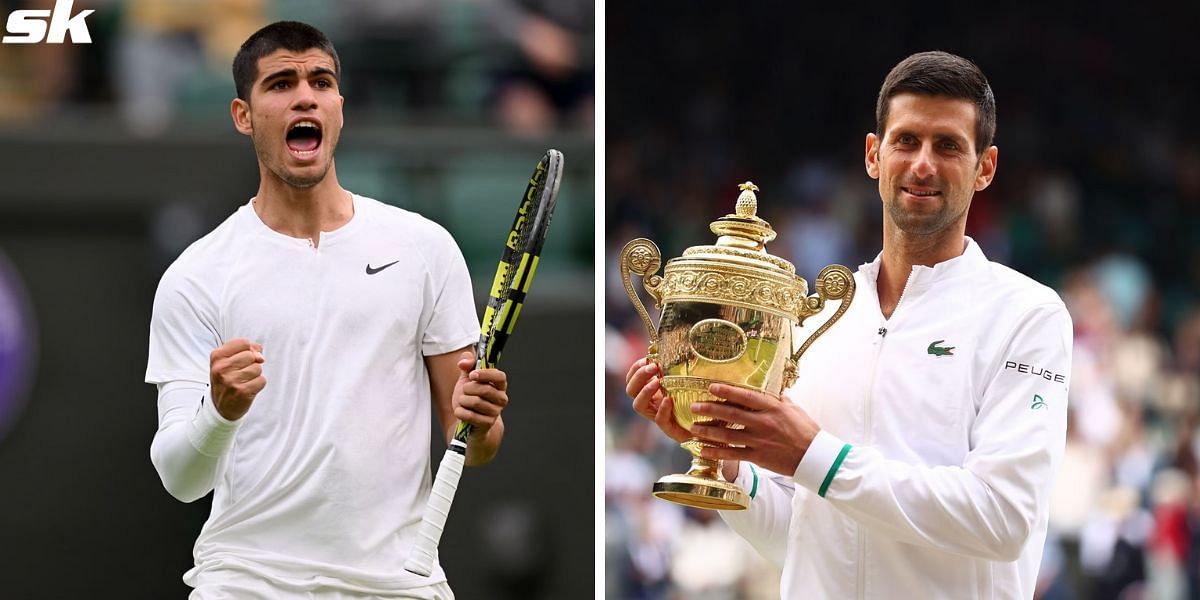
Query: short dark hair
column 940, row 73
column 289, row 35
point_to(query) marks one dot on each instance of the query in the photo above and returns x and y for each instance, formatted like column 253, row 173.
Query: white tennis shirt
column 323, row 482
column 942, row 429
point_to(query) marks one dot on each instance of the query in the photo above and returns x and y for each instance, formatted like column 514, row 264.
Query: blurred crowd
column 525, row 65
column 1097, row 195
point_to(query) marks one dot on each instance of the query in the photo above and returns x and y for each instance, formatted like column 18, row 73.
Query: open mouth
column 304, row 139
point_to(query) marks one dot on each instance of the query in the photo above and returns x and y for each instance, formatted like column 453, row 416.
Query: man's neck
column 303, row 212
column 902, row 251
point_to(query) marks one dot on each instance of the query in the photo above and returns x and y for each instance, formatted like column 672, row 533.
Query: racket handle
column 420, row 561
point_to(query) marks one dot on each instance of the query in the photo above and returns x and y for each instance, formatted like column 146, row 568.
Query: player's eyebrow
column 318, row 71
column 280, row 74
column 291, row 73
column 937, row 136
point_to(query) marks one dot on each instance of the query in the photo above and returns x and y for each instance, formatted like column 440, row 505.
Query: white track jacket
column 942, row 429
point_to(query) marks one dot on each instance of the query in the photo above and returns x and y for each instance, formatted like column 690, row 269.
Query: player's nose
column 305, row 97
column 922, row 166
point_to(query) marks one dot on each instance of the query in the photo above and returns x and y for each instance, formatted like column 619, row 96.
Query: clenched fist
column 235, row 371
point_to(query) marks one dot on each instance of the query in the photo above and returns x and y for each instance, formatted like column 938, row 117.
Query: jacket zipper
column 882, row 332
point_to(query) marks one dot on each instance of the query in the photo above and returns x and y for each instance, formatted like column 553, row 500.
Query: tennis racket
column 518, row 261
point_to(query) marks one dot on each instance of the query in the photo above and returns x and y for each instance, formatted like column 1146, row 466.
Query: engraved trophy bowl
column 727, row 316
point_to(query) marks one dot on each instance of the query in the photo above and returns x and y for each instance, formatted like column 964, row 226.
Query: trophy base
column 699, row 492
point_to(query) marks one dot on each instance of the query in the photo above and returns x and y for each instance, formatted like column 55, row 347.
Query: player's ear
column 987, row 168
column 240, row 111
column 871, row 159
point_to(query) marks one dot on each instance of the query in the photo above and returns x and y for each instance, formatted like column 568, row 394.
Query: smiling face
column 927, row 164
column 294, row 115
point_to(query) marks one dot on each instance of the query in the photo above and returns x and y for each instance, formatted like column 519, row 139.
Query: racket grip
column 420, row 561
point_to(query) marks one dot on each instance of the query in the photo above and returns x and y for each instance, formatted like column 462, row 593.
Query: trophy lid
column 743, row 236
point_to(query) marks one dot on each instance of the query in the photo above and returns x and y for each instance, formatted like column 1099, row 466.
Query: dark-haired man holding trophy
column 915, row 453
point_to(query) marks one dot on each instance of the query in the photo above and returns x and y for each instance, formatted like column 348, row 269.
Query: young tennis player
column 298, row 349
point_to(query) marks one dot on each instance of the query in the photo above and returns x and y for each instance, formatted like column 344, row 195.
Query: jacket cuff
column 210, row 433
column 821, row 462
column 748, row 478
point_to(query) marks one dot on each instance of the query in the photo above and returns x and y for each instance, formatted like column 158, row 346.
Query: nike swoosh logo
column 372, row 271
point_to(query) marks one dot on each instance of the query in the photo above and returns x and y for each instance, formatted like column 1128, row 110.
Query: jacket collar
column 971, row 260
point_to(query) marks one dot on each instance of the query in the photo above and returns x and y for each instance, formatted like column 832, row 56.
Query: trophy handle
column 642, row 256
column 835, row 282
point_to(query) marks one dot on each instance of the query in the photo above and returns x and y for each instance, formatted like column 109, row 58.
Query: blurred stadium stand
column 1097, row 194
column 116, row 155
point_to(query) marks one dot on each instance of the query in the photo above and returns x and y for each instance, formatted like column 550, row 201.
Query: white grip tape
column 440, row 499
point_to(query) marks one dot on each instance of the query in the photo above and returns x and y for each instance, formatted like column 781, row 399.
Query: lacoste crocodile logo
column 937, row 350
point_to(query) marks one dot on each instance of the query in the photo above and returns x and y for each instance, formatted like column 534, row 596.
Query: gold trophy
column 728, row 312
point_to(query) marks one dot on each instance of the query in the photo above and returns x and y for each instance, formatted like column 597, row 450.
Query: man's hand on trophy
column 643, row 383
column 776, row 434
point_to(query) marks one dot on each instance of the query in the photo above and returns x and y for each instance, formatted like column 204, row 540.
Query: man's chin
column 302, row 183
column 921, row 224
column 303, row 180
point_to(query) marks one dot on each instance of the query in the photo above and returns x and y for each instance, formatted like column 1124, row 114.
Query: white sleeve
column 183, row 328
column 765, row 523
column 989, row 506
column 448, row 320
column 191, row 441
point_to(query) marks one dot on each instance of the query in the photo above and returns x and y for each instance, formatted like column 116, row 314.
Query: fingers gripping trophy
column 728, row 314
